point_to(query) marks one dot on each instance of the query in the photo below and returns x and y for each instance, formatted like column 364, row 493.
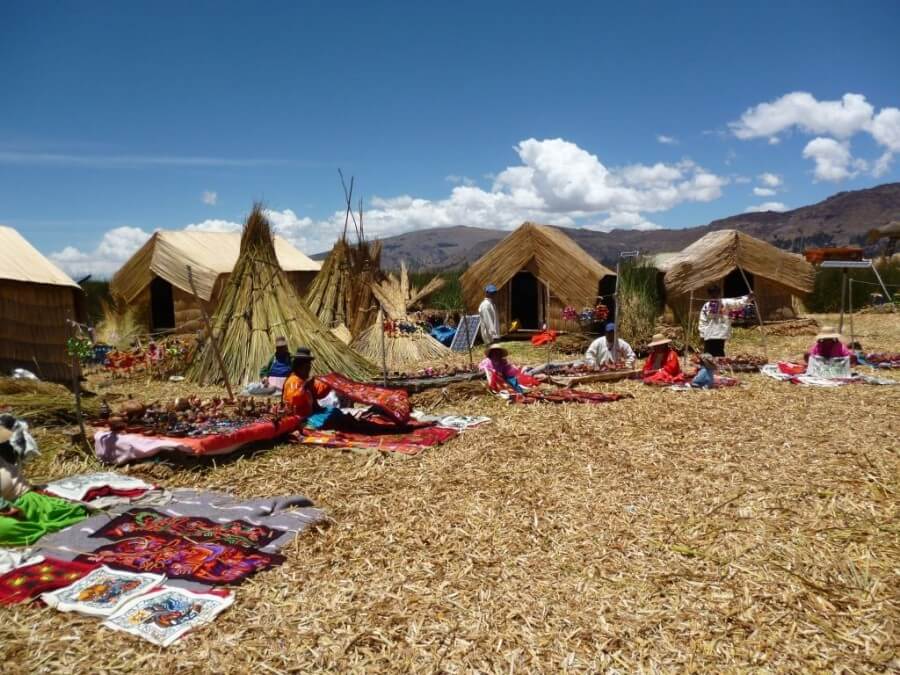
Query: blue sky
column 120, row 118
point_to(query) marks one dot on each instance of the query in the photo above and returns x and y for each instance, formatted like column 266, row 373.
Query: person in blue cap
column 606, row 350
column 487, row 310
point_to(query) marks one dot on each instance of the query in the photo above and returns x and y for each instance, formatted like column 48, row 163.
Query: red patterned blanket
column 393, row 402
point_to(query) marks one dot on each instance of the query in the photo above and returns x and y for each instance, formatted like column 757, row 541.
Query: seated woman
column 302, row 392
column 829, row 356
column 501, row 375
column 26, row 515
column 662, row 366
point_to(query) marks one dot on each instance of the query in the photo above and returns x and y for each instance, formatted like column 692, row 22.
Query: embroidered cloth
column 148, row 521
column 164, row 615
column 102, row 591
column 179, row 558
column 408, row 443
column 393, row 402
column 28, row 582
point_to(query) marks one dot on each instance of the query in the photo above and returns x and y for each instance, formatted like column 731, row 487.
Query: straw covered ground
column 754, row 528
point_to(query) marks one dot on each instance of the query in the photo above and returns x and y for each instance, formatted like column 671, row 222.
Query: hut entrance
column 525, row 300
column 733, row 285
column 162, row 305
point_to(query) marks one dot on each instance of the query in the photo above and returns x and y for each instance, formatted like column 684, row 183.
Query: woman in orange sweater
column 662, row 363
column 302, row 392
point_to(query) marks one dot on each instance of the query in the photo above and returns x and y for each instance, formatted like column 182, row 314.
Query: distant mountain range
column 842, row 219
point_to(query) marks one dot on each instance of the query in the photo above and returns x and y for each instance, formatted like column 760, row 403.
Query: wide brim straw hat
column 495, row 348
column 659, row 340
column 828, row 333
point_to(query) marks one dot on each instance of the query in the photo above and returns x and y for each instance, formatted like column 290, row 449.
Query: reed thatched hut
column 538, row 270
column 776, row 277
column 154, row 281
column 36, row 299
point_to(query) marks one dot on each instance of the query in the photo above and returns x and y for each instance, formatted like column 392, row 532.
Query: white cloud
column 742, row 180
column 770, row 179
column 800, row 109
column 554, row 182
column 667, row 140
column 210, row 198
column 764, row 192
column 116, row 246
column 460, row 180
column 768, row 206
column 882, row 165
column 833, row 159
column 833, row 122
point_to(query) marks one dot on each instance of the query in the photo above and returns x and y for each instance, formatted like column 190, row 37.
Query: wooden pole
column 76, row 389
column 383, row 348
column 615, row 352
column 762, row 330
column 209, row 330
column 843, row 298
column 468, row 337
column 852, row 334
column 687, row 331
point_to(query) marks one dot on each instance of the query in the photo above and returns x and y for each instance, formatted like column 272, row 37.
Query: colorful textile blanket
column 180, row 558
column 564, row 396
column 288, row 515
column 11, row 558
column 148, row 521
column 392, row 402
column 662, row 379
column 28, row 582
column 409, row 443
column 89, row 486
column 38, row 514
column 113, row 448
column 788, row 372
column 164, row 615
column 101, row 592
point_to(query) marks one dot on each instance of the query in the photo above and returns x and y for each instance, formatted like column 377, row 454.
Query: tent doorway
column 733, row 285
column 525, row 300
column 162, row 305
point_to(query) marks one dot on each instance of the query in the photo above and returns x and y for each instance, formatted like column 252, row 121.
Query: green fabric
column 40, row 514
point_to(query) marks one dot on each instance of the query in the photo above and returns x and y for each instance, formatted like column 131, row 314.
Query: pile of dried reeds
column 393, row 340
column 119, row 326
column 341, row 293
column 259, row 304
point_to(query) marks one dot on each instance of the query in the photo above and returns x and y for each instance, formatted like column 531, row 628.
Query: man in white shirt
column 607, row 350
column 487, row 310
column 715, row 321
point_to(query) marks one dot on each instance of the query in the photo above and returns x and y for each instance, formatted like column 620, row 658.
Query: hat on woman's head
column 659, row 340
column 495, row 347
column 828, row 333
column 304, row 354
column 708, row 360
column 490, row 288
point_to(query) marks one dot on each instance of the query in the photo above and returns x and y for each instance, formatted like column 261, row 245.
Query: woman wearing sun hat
column 828, row 345
column 662, row 358
column 501, row 374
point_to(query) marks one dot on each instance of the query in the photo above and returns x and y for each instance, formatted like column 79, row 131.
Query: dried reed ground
column 754, row 528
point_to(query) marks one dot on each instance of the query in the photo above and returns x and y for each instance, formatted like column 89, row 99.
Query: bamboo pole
column 380, row 320
column 852, row 334
column 687, row 331
column 843, row 298
column 209, row 329
column 76, row 389
column 762, row 330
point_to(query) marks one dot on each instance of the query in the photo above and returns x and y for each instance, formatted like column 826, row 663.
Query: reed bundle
column 392, row 340
column 341, row 293
column 259, row 304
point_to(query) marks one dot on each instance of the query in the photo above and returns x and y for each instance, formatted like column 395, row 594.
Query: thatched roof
column 20, row 261
column 570, row 271
column 167, row 254
column 714, row 256
column 259, row 304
